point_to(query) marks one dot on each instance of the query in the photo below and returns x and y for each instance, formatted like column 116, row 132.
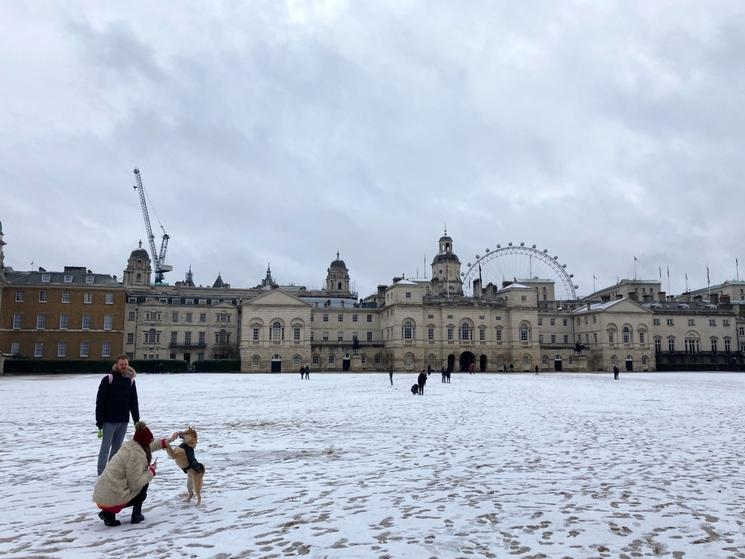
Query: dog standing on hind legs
column 183, row 454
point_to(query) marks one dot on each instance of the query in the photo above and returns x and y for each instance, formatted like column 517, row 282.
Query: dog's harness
column 193, row 464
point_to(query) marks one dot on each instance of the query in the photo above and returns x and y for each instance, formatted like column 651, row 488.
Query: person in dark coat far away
column 615, row 372
column 421, row 380
column 390, row 374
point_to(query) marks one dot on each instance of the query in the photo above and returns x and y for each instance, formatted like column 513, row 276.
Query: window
column 131, row 338
column 277, row 332
column 84, row 348
column 540, row 338
column 106, row 349
column 369, row 318
column 89, row 279
column 109, row 299
column 499, row 334
column 611, row 336
column 692, row 345
column 39, row 349
column 45, row 278
column 691, row 322
column 87, row 298
column 108, row 322
column 174, row 316
column 325, row 317
column 727, row 345
column 340, row 318
column 17, row 321
column 174, row 337
column 296, row 333
column 408, row 330
column 340, row 336
column 152, row 336
column 407, row 295
column 656, row 321
column 64, row 321
column 465, row 331
column 86, row 323
column 332, row 359
column 626, row 335
column 671, row 344
column 553, row 338
column 189, row 301
column 741, row 329
column 202, row 317
column 725, row 322
column 189, row 316
column 450, row 333
column 540, row 321
column 354, row 318
column 187, row 338
column 658, row 344
column 524, row 333
column 41, row 321
column 430, row 333
column 62, row 349
column 369, row 337
column 163, row 300
column 256, row 332
column 712, row 322
column 19, row 295
column 325, row 336
column 714, row 343
column 670, row 322
column 131, row 315
column 131, row 299
column 564, row 321
column 43, row 296
column 222, row 317
column 316, row 359
column 15, row 349
column 642, row 337
column 553, row 322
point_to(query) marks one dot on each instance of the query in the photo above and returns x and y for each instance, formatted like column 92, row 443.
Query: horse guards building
column 408, row 324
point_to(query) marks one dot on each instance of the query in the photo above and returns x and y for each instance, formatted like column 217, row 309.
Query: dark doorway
column 451, row 362
column 557, row 364
column 187, row 357
column 482, row 363
column 345, row 364
column 466, row 360
column 629, row 364
column 276, row 365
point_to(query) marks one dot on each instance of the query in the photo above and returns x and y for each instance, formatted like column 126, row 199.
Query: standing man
column 390, row 374
column 615, row 372
column 115, row 401
column 421, row 380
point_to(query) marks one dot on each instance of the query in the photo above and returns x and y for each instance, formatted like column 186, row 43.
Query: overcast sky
column 280, row 132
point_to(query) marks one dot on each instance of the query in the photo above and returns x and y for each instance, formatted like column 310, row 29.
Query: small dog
column 183, row 454
column 415, row 389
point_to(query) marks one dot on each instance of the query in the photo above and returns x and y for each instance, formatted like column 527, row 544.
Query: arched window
column 626, row 335
column 277, row 333
column 408, row 330
column 316, row 359
column 465, row 331
column 296, row 360
column 671, row 344
column 332, row 359
column 611, row 336
column 657, row 344
column 524, row 333
column 714, row 343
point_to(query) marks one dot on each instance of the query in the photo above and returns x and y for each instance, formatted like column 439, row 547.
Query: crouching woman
column 125, row 480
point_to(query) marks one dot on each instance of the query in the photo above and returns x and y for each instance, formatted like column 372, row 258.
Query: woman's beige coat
column 125, row 474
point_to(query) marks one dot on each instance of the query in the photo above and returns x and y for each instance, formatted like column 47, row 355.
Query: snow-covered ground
column 556, row 465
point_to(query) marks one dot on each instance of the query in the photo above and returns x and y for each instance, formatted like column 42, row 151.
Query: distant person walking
column 390, row 374
column 302, row 373
column 307, row 372
column 615, row 372
column 115, row 402
column 421, row 380
column 536, row 369
column 443, row 374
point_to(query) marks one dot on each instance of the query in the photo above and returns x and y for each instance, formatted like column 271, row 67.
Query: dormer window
column 68, row 278
column 89, row 279
column 45, row 278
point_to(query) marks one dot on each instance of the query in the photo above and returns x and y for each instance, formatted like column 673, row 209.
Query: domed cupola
column 446, row 278
column 337, row 276
column 137, row 273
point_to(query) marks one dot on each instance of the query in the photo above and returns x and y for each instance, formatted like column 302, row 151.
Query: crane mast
column 158, row 258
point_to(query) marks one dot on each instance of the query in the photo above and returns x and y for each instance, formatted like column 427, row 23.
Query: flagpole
column 737, row 266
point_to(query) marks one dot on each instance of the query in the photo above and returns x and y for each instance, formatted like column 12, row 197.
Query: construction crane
column 159, row 258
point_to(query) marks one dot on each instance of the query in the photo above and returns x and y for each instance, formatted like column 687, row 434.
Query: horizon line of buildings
column 408, row 324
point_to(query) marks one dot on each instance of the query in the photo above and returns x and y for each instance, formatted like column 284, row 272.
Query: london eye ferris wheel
column 515, row 262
